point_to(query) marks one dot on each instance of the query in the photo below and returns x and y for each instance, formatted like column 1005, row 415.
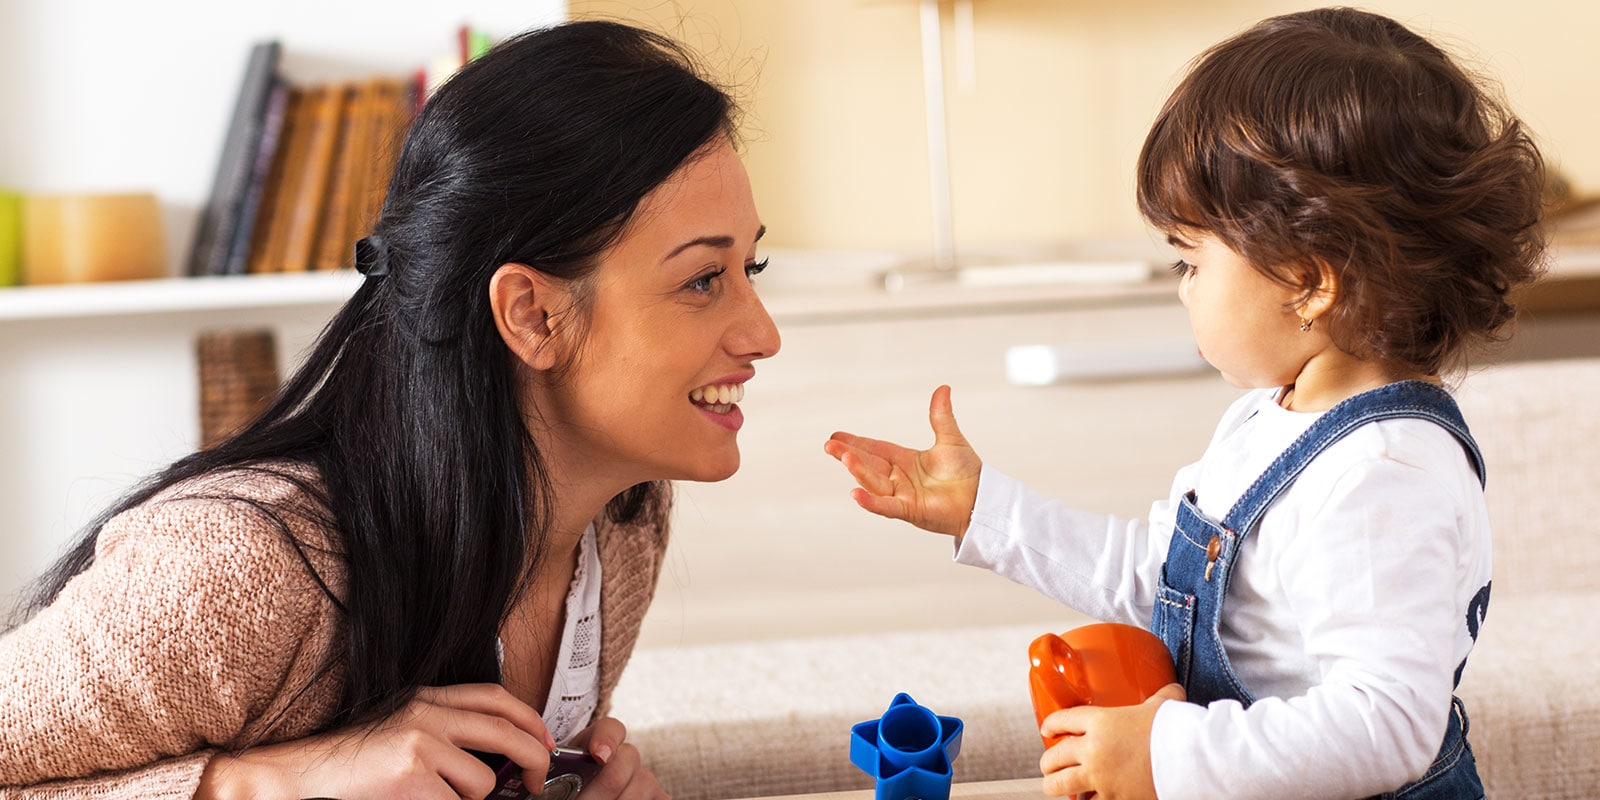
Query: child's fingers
column 871, row 473
column 840, row 444
column 1071, row 721
column 891, row 507
column 888, row 451
column 1060, row 755
column 1069, row 782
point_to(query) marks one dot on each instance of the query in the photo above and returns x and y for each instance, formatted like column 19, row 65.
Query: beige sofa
column 772, row 716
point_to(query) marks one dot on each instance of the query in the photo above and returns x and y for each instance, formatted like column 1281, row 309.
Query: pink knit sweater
column 194, row 631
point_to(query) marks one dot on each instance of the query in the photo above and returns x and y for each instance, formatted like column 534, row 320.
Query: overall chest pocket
column 1181, row 581
column 1173, row 621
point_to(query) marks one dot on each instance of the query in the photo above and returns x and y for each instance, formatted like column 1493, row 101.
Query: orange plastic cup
column 1104, row 664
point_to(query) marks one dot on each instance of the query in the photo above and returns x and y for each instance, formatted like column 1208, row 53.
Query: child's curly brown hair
column 1337, row 139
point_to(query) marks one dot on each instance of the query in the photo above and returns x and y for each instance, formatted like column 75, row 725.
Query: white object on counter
column 1042, row 365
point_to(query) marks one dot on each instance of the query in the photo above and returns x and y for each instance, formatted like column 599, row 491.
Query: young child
column 1351, row 209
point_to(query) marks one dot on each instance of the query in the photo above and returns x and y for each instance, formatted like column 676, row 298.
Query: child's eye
column 755, row 268
column 1181, row 268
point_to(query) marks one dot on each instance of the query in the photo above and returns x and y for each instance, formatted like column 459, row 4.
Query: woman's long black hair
column 407, row 406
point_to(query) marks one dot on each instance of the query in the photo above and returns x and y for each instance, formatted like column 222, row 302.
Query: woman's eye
column 1181, row 268
column 755, row 268
column 705, row 283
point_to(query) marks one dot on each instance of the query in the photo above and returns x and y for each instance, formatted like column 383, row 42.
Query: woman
column 441, row 538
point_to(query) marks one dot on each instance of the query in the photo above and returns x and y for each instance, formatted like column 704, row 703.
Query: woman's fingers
column 624, row 777
column 603, row 737
column 490, row 698
column 463, row 773
column 464, row 727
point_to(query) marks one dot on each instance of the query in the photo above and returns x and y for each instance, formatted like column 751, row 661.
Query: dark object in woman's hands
column 571, row 769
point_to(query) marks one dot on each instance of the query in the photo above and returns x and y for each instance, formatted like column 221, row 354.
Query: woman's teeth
column 719, row 397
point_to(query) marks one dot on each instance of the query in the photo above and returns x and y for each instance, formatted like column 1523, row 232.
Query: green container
column 10, row 238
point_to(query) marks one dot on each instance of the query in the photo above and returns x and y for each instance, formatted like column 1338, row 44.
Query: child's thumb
column 1171, row 691
column 942, row 416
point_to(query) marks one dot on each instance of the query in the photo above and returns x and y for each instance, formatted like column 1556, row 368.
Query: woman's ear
column 526, row 304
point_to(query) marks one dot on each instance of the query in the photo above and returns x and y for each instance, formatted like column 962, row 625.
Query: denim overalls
column 1202, row 556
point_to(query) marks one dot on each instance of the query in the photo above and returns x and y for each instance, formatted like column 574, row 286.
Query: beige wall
column 1042, row 146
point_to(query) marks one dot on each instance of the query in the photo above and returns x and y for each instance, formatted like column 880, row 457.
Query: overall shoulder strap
column 1404, row 399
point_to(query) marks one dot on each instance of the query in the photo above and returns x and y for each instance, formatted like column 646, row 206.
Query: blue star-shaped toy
column 908, row 751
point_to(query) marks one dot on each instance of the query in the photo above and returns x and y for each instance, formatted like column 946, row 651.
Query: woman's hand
column 933, row 489
column 418, row 752
column 623, row 775
column 1107, row 754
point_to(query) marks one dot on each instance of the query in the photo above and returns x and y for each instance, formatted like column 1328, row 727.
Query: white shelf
column 812, row 290
column 174, row 295
column 804, row 288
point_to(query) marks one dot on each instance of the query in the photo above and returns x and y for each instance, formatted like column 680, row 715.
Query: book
column 306, row 203
column 260, row 176
column 333, row 246
column 391, row 105
column 214, row 235
column 272, row 219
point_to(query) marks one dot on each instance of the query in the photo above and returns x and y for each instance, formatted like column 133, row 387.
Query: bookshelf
column 176, row 296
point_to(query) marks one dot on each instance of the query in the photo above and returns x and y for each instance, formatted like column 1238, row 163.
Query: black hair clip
column 372, row 256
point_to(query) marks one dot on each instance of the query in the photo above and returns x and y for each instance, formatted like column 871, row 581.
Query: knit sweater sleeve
column 194, row 618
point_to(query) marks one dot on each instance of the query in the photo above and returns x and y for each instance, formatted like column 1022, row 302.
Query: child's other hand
column 1107, row 754
column 933, row 489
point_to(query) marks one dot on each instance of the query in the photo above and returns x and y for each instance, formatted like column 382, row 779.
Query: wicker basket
column 238, row 376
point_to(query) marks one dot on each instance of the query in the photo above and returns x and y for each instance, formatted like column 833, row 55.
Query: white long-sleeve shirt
column 1346, row 616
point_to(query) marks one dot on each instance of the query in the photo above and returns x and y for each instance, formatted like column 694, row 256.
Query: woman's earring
column 1305, row 324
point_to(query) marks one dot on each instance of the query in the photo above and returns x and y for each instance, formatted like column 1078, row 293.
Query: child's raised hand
column 1107, row 754
column 933, row 489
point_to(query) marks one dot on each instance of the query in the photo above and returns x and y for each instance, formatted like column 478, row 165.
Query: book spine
column 266, row 247
column 310, row 190
column 219, row 218
column 250, row 212
column 333, row 246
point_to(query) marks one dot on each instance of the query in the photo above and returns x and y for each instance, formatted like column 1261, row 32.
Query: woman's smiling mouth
column 720, row 402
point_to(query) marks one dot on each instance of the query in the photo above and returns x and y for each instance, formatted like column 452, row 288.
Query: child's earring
column 1305, row 325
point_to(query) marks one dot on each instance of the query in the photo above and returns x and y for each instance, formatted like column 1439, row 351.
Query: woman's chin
column 712, row 470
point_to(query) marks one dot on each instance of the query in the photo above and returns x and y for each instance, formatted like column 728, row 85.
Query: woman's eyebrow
column 720, row 242
column 1178, row 243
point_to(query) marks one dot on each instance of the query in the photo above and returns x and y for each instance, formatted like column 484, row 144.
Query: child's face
column 1244, row 322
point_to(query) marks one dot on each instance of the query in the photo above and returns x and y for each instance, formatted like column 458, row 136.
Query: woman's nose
column 754, row 335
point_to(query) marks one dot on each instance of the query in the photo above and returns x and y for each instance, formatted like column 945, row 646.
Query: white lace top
column 575, row 687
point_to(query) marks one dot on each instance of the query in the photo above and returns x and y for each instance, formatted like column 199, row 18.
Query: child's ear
column 1322, row 296
column 526, row 304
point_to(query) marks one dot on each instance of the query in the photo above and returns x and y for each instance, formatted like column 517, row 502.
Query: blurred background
column 1045, row 102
